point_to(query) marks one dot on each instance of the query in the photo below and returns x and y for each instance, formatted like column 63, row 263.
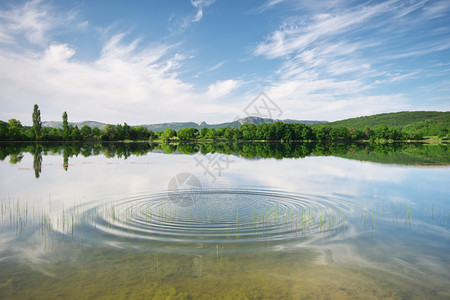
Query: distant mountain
column 233, row 124
column 58, row 124
column 178, row 125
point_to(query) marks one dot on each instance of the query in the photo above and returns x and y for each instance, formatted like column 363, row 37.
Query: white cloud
column 411, row 8
column 128, row 81
column 221, row 88
column 268, row 5
column 437, row 9
column 315, row 107
column 200, row 5
column 296, row 36
column 58, row 53
column 35, row 21
column 138, row 86
column 216, row 66
column 324, row 70
column 178, row 24
column 419, row 50
column 336, row 60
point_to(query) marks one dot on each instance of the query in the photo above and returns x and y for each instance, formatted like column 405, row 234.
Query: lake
column 224, row 221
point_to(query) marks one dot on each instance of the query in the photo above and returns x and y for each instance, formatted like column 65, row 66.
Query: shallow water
column 216, row 225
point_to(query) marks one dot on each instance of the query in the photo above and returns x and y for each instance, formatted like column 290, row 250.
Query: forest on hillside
column 424, row 123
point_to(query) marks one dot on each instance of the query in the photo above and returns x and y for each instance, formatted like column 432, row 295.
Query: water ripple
column 217, row 216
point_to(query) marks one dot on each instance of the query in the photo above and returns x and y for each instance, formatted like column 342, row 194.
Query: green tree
column 322, row 133
column 212, row 134
column 3, row 130
column 168, row 134
column 382, row 132
column 340, row 133
column 15, row 130
column 203, row 132
column 269, row 132
column 37, row 123
column 367, row 132
column 66, row 129
column 229, row 133
column 181, row 134
column 86, row 132
column 124, row 131
column 237, row 135
column 75, row 134
column 109, row 133
column 248, row 131
column 96, row 133
column 139, row 133
column 355, row 134
column 288, row 132
column 279, row 130
column 306, row 132
column 188, row 133
column 52, row 134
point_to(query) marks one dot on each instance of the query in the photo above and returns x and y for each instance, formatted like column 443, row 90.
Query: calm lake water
column 245, row 222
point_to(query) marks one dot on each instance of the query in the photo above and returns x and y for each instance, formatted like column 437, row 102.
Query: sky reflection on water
column 391, row 219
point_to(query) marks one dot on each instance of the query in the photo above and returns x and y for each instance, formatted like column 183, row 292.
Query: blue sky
column 146, row 62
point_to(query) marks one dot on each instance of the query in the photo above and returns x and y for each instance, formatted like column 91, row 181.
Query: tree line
column 13, row 130
column 279, row 131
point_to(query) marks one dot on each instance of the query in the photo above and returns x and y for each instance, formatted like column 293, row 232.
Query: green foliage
column 211, row 134
column 188, row 134
column 340, row 133
column 66, row 129
column 86, row 133
column 203, row 132
column 109, row 133
column 140, row 133
column 37, row 123
column 96, row 132
column 168, row 134
column 123, row 132
column 248, row 131
column 75, row 134
column 4, row 128
column 15, row 130
column 416, row 124
column 393, row 126
column 229, row 133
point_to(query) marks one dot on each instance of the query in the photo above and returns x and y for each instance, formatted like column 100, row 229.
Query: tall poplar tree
column 65, row 126
column 37, row 124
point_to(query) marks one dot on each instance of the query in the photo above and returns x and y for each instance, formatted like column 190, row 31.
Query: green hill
column 429, row 123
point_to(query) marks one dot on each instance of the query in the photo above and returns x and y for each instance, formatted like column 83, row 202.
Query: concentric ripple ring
column 217, row 216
